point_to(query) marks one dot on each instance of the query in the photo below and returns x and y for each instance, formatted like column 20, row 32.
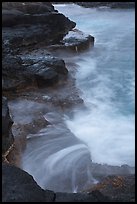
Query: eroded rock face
column 121, row 188
column 29, row 23
column 25, row 25
column 19, row 186
column 7, row 137
column 19, row 74
column 75, row 41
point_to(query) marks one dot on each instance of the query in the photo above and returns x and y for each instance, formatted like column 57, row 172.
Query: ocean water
column 106, row 78
column 60, row 156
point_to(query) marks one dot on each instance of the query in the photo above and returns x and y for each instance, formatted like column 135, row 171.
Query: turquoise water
column 106, row 78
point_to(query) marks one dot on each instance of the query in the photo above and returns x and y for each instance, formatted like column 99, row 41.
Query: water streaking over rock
column 106, row 78
column 57, row 159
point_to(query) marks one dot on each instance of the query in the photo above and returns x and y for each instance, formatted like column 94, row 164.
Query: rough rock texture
column 19, row 186
column 122, row 5
column 26, row 25
column 75, row 41
column 7, row 137
column 33, row 23
column 119, row 188
column 94, row 196
column 18, row 73
column 99, row 171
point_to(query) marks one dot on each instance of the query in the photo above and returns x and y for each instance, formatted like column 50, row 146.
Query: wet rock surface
column 19, row 186
column 33, row 23
column 75, row 41
column 119, row 188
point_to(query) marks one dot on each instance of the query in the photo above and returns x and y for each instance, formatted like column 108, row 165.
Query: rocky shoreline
column 29, row 70
column 113, row 5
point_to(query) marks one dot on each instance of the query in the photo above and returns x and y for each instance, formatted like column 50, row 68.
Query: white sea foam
column 106, row 79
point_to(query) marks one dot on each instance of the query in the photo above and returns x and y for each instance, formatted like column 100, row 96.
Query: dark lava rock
column 100, row 171
column 75, row 41
column 30, row 23
column 46, row 77
column 7, row 137
column 20, row 73
column 78, row 40
column 122, row 5
column 95, row 196
column 118, row 188
column 45, row 70
column 19, row 186
column 27, row 7
column 12, row 72
column 57, row 64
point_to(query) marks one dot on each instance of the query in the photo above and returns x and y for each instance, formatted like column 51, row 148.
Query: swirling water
column 106, row 78
column 59, row 157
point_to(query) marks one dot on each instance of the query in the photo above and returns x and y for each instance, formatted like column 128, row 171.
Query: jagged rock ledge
column 75, row 41
column 19, row 186
column 27, row 23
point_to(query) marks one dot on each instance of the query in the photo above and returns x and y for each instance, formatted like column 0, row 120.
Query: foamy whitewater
column 106, row 78
column 60, row 156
